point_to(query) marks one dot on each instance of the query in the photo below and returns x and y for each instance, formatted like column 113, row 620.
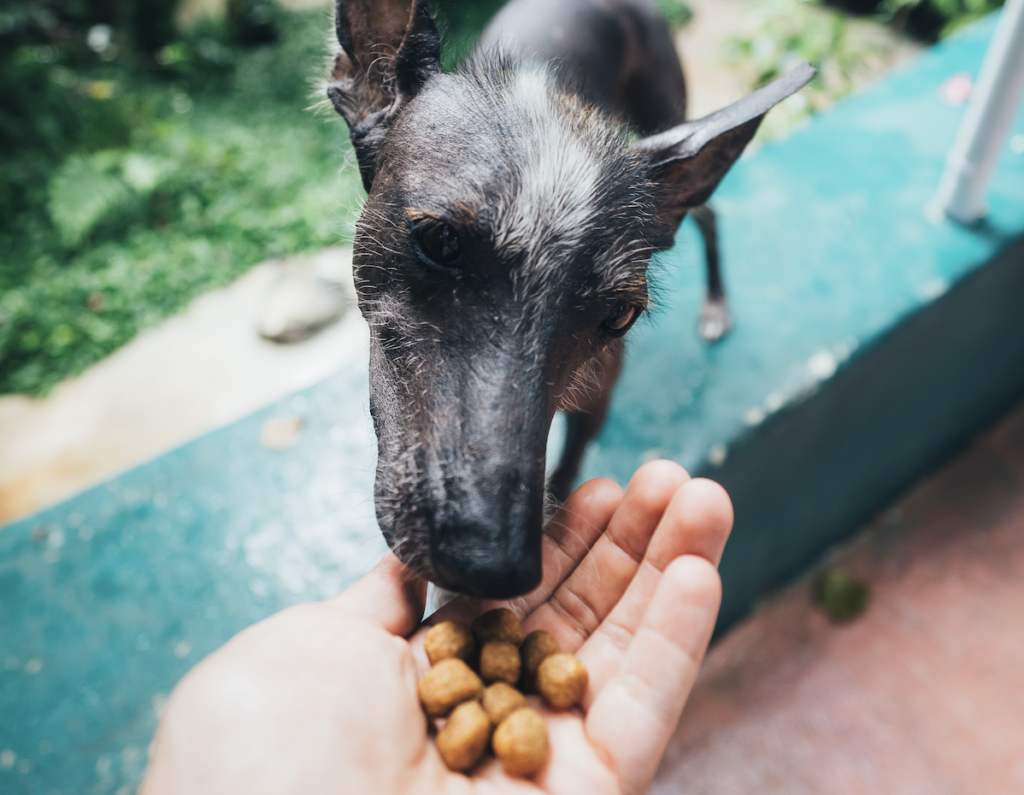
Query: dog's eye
column 439, row 242
column 620, row 319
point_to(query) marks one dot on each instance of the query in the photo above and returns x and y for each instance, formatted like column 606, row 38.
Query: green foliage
column 676, row 12
column 782, row 33
column 82, row 192
column 204, row 203
column 778, row 35
column 139, row 189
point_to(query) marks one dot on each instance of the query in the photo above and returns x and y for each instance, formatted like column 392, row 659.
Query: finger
column 636, row 712
column 697, row 522
column 570, row 536
column 705, row 517
column 389, row 595
column 584, row 600
column 567, row 538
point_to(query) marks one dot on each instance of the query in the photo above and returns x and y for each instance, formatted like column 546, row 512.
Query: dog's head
column 502, row 251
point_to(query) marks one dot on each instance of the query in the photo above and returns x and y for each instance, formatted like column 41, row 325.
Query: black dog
column 502, row 252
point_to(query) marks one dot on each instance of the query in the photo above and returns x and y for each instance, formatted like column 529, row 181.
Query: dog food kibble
column 501, row 700
column 447, row 684
column 499, row 662
column 521, row 742
column 498, row 624
column 449, row 639
column 562, row 681
column 536, row 647
column 451, row 688
column 464, row 737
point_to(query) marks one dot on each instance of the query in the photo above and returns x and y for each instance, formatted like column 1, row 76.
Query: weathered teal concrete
column 867, row 343
column 108, row 599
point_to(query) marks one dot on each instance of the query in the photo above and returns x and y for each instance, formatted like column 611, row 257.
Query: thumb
column 389, row 595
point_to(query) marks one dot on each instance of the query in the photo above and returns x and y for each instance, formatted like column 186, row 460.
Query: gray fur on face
column 553, row 210
column 500, row 149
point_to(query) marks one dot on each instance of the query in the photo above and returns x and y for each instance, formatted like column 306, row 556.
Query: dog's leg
column 583, row 424
column 581, row 427
column 715, row 321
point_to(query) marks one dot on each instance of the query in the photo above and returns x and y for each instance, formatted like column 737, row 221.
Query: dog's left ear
column 688, row 161
column 390, row 48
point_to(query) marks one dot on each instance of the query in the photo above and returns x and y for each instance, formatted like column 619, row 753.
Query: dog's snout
column 485, row 560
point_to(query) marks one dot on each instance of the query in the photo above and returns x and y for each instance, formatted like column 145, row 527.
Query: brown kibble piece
column 498, row 624
column 521, row 742
column 464, row 737
column 447, row 684
column 499, row 662
column 500, row 700
column 536, row 648
column 562, row 681
column 449, row 639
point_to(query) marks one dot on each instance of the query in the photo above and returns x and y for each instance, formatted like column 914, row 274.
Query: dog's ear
column 390, row 48
column 687, row 162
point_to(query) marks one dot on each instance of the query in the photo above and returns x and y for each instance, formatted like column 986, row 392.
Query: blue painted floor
column 107, row 599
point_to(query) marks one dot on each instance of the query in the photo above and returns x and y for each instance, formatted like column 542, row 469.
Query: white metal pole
column 992, row 107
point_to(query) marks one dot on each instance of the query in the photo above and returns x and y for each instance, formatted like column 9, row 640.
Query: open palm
column 321, row 698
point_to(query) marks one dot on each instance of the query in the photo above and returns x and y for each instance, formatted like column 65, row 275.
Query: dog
column 501, row 256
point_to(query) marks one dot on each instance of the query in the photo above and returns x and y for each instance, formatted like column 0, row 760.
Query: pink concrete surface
column 923, row 693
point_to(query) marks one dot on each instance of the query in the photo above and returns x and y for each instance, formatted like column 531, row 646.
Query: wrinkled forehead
column 508, row 149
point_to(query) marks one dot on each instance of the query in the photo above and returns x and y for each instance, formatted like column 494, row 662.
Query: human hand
column 321, row 698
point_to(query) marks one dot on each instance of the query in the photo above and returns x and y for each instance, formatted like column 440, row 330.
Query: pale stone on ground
column 308, row 295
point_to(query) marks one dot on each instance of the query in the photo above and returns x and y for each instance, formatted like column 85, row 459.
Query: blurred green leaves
column 777, row 35
column 82, row 192
column 149, row 230
column 146, row 187
column 677, row 12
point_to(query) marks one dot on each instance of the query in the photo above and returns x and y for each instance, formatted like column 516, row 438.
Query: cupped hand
column 321, row 698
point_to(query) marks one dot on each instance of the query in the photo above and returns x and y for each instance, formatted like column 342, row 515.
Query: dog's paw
column 715, row 320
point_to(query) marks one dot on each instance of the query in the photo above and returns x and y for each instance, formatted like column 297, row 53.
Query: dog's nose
column 472, row 560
